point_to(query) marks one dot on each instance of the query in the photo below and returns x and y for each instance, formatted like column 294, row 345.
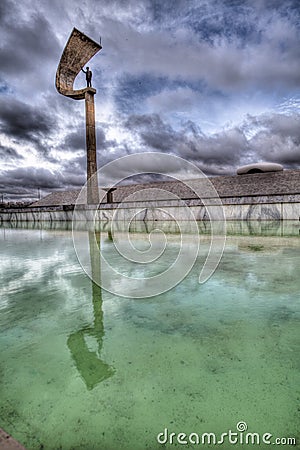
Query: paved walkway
column 8, row 443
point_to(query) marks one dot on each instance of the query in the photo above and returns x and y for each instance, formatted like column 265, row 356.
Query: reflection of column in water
column 109, row 234
column 88, row 363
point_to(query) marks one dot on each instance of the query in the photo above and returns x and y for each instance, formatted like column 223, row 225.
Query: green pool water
column 83, row 369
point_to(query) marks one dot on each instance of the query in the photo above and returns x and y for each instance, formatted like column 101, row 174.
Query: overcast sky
column 216, row 82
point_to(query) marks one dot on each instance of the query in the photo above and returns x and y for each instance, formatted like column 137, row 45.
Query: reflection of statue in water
column 88, row 76
column 89, row 364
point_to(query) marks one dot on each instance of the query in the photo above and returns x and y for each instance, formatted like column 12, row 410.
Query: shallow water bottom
column 84, row 369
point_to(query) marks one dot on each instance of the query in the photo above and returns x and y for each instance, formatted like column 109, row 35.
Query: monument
column 77, row 52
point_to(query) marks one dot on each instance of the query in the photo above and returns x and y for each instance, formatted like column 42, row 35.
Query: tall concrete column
column 92, row 182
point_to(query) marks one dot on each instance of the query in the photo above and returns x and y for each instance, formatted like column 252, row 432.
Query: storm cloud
column 23, row 121
column 214, row 82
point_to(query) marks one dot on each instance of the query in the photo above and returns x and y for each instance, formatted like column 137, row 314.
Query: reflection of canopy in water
column 88, row 363
column 78, row 51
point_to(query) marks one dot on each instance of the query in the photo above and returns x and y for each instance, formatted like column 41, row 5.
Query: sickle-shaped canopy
column 78, row 51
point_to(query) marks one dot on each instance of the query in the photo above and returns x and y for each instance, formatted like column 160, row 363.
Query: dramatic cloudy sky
column 216, row 82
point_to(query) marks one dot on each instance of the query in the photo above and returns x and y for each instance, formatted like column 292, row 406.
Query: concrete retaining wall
column 156, row 211
column 240, row 228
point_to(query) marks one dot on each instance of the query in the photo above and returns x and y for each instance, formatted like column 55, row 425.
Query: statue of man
column 88, row 76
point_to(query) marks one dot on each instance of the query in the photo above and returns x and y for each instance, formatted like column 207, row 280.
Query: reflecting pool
column 81, row 368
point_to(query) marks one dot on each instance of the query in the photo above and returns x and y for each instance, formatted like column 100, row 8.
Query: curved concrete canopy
column 77, row 52
column 259, row 168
